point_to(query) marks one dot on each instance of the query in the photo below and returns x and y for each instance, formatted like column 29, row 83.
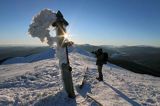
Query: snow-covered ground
column 39, row 83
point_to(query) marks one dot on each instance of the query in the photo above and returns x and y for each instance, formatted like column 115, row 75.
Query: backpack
column 105, row 58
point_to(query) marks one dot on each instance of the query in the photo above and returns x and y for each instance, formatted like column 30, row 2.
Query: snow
column 40, row 26
column 38, row 83
column 32, row 58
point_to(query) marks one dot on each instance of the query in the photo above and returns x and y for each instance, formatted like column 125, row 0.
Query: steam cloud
column 40, row 26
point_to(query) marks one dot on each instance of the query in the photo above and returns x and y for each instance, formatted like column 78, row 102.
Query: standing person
column 101, row 59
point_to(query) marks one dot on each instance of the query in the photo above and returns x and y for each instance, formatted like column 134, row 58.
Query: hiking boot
column 72, row 96
column 99, row 79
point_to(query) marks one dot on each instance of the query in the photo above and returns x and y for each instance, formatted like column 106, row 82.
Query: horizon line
column 81, row 44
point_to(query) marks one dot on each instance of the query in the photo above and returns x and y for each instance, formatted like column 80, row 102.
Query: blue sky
column 98, row 22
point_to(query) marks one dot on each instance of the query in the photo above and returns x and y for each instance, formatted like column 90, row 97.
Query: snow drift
column 50, row 53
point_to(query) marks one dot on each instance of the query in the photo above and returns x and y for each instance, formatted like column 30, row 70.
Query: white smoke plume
column 40, row 26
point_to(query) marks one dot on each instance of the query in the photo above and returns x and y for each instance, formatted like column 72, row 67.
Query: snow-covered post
column 40, row 28
column 62, row 53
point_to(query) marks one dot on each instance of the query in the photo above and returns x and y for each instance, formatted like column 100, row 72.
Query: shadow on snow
column 122, row 95
column 59, row 99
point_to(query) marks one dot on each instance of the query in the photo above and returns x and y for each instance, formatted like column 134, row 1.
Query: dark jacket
column 99, row 56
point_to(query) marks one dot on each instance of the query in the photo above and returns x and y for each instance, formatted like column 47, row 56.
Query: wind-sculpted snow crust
column 39, row 83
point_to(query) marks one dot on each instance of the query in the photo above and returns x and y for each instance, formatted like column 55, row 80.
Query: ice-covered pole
column 39, row 28
column 62, row 53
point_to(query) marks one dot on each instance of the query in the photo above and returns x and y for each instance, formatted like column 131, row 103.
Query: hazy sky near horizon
column 98, row 22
